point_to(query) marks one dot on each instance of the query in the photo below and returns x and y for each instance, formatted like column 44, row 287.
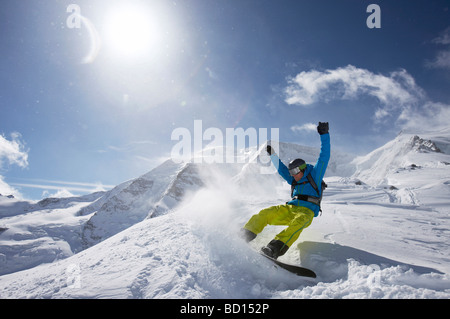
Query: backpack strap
column 315, row 200
column 313, row 184
column 295, row 183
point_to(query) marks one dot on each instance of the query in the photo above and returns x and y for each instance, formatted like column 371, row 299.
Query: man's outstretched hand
column 322, row 128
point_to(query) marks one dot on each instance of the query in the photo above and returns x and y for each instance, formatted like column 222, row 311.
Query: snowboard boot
column 275, row 249
column 247, row 235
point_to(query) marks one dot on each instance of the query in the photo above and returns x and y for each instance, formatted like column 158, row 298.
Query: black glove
column 322, row 128
column 270, row 150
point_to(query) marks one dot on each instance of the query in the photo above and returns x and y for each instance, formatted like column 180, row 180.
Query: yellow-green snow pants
column 296, row 218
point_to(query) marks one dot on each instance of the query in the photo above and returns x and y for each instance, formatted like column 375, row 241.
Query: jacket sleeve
column 324, row 158
column 281, row 168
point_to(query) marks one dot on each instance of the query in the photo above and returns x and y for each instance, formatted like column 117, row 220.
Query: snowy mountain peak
column 150, row 195
column 422, row 145
column 406, row 150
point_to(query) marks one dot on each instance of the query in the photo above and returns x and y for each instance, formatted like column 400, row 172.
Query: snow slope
column 150, row 195
column 380, row 236
column 35, row 233
column 415, row 168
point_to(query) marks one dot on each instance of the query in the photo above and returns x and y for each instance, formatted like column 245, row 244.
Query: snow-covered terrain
column 172, row 233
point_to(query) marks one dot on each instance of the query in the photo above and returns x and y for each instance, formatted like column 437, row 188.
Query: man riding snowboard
column 299, row 212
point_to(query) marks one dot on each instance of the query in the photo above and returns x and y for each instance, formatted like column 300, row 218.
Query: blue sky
column 88, row 107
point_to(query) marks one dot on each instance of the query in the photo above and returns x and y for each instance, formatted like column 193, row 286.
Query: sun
column 131, row 30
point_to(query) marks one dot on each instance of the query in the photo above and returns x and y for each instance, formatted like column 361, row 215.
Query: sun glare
column 131, row 30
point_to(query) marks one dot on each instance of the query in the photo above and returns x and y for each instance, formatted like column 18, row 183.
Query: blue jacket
column 317, row 172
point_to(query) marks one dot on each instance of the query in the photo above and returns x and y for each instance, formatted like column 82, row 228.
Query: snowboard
column 299, row 271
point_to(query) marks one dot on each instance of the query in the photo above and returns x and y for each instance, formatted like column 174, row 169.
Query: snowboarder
column 299, row 212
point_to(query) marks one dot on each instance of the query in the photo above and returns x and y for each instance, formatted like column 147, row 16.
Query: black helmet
column 296, row 166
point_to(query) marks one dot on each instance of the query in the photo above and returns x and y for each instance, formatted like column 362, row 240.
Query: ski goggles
column 296, row 170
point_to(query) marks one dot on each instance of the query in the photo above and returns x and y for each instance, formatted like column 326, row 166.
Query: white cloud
column 444, row 38
column 13, row 151
column 134, row 146
column 442, row 59
column 429, row 116
column 397, row 93
column 349, row 83
column 6, row 189
column 308, row 127
column 62, row 187
column 62, row 193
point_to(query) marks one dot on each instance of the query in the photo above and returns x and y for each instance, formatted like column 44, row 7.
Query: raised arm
column 282, row 169
column 325, row 152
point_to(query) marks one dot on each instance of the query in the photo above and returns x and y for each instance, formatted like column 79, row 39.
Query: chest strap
column 310, row 199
